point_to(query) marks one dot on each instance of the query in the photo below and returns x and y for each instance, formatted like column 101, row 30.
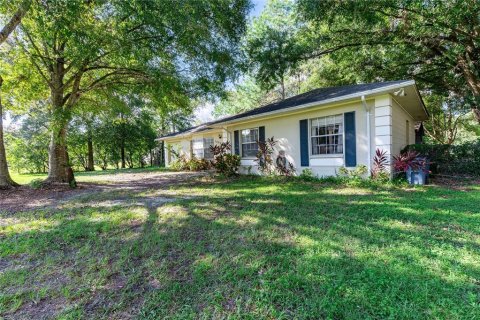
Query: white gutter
column 369, row 135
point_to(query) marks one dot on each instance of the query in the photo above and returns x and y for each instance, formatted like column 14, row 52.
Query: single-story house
column 323, row 129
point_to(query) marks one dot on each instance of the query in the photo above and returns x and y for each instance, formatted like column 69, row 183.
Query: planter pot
column 418, row 176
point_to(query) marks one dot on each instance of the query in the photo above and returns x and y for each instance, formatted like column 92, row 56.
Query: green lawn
column 249, row 248
column 81, row 176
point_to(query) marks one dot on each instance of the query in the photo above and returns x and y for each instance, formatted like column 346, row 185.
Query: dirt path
column 114, row 184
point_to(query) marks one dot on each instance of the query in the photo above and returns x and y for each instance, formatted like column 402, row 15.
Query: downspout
column 369, row 135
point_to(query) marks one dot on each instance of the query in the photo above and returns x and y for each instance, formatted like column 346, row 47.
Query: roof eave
column 320, row 103
column 367, row 93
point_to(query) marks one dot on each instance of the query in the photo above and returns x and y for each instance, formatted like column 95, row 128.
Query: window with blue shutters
column 304, row 156
column 249, row 138
column 326, row 135
column 350, row 140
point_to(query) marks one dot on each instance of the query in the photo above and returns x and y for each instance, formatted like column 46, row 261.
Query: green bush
column 227, row 164
column 224, row 162
column 180, row 164
column 307, row 175
column 450, row 159
column 194, row 164
column 359, row 172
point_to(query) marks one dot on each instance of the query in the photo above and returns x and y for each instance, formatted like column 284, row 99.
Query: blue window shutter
column 304, row 161
column 350, row 140
column 261, row 134
column 236, row 141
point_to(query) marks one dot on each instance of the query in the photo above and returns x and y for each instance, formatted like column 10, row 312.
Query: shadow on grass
column 247, row 249
column 125, row 170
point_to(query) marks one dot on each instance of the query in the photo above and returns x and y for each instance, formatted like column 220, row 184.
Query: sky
column 204, row 113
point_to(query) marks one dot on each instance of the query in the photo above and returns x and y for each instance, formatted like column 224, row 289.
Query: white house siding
column 399, row 132
column 387, row 127
column 286, row 131
column 383, row 124
column 183, row 147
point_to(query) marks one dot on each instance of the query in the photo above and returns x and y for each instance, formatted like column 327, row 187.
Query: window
column 327, row 135
column 249, row 142
column 197, row 148
column 201, row 148
column 207, row 143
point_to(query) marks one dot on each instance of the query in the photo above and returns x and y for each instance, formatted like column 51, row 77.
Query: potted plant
column 413, row 165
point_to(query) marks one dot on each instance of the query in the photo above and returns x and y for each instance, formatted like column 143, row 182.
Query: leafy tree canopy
column 434, row 42
column 172, row 49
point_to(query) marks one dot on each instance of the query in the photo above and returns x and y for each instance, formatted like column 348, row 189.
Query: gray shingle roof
column 317, row 95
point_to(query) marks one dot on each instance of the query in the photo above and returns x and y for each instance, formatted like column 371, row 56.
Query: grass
column 82, row 176
column 251, row 248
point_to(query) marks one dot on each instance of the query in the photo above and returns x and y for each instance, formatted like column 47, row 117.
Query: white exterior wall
column 387, row 132
column 399, row 128
column 183, row 147
column 383, row 124
column 286, row 131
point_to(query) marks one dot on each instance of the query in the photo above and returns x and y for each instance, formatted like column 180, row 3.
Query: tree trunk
column 162, row 154
column 5, row 179
column 283, row 87
column 90, row 164
column 476, row 113
column 15, row 20
column 59, row 169
column 57, row 156
column 122, row 154
column 473, row 82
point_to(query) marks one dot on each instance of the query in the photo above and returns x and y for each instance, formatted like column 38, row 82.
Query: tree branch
column 15, row 20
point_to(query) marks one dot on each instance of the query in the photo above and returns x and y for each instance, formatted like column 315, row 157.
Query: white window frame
column 242, row 142
column 198, row 149
column 201, row 150
column 206, row 147
column 328, row 155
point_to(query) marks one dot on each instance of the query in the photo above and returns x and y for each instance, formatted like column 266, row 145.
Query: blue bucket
column 418, row 176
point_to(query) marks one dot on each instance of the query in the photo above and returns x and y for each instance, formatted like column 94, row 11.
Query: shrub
column 195, row 164
column 228, row 164
column 264, row 155
column 307, row 175
column 379, row 168
column 265, row 159
column 438, row 155
column 408, row 160
column 224, row 162
column 450, row 159
column 356, row 173
column 180, row 164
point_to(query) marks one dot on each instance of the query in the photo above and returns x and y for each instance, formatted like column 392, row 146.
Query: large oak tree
column 435, row 42
column 174, row 47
